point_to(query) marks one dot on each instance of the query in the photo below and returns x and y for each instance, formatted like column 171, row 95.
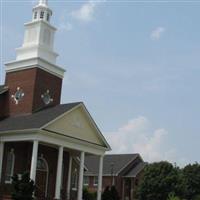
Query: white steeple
column 39, row 38
column 43, row 2
column 42, row 11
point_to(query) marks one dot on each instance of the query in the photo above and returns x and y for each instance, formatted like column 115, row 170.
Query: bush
column 23, row 187
column 88, row 195
column 172, row 196
column 197, row 197
column 110, row 194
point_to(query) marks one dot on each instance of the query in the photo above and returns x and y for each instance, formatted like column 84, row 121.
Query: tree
column 191, row 177
column 23, row 187
column 159, row 180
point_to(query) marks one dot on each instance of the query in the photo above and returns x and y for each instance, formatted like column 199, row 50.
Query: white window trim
column 76, row 180
column 86, row 184
column 12, row 167
column 47, row 171
column 95, row 177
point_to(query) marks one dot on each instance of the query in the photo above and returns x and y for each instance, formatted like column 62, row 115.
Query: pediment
column 78, row 124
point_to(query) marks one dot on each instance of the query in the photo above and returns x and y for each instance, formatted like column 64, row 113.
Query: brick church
column 37, row 133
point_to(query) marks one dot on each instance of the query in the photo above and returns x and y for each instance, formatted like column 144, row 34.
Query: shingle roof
column 119, row 161
column 35, row 120
column 3, row 89
column 136, row 170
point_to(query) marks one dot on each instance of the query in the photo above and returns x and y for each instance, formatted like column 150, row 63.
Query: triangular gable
column 78, row 124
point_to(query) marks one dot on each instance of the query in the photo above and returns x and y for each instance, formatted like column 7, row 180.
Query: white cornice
column 40, row 21
column 35, row 62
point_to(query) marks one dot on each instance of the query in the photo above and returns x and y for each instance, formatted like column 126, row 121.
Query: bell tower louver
column 34, row 79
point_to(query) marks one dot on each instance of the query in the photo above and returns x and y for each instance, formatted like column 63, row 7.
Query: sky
column 135, row 65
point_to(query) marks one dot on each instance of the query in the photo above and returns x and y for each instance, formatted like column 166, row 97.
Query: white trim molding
column 35, row 62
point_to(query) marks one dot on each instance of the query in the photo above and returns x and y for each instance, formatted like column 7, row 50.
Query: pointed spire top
column 43, row 2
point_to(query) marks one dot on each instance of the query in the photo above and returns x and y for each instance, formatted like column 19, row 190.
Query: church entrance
column 41, row 178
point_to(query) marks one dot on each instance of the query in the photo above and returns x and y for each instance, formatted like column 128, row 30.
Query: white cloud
column 138, row 136
column 65, row 26
column 86, row 12
column 157, row 33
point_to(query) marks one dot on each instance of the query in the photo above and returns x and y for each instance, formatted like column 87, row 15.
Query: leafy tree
column 159, row 180
column 191, row 177
column 23, row 187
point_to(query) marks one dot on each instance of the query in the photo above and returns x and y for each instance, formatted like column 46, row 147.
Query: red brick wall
column 34, row 82
column 4, row 105
column 23, row 153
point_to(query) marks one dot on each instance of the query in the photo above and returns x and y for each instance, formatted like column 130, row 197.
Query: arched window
column 42, row 166
column 10, row 163
column 74, row 179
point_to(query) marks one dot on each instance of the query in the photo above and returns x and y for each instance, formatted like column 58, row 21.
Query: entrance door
column 41, row 178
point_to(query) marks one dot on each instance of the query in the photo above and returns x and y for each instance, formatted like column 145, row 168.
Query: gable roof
column 136, row 170
column 119, row 161
column 35, row 120
column 3, row 89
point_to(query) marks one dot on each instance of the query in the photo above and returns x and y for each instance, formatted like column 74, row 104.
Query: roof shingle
column 119, row 161
column 35, row 120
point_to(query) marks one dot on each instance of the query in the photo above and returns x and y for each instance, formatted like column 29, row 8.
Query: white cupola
column 42, row 12
column 37, row 49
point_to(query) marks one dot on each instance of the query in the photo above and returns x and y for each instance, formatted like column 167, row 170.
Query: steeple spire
column 41, row 11
column 43, row 2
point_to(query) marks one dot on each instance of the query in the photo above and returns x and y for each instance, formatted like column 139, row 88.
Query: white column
column 34, row 160
column 80, row 181
column 59, row 173
column 69, row 177
column 100, row 178
column 1, row 158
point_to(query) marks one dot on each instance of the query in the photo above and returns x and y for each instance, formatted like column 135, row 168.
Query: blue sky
column 135, row 64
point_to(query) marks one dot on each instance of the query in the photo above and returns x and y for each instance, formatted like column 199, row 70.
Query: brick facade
column 33, row 82
column 23, row 153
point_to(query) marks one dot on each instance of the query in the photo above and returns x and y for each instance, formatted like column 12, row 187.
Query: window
column 42, row 15
column 35, row 15
column 10, row 166
column 48, row 16
column 74, row 179
column 95, row 180
column 86, row 180
column 42, row 166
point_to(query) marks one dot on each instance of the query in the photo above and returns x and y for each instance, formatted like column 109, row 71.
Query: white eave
column 35, row 62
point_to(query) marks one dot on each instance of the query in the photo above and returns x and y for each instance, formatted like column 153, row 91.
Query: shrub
column 110, row 194
column 88, row 195
column 172, row 196
column 23, row 187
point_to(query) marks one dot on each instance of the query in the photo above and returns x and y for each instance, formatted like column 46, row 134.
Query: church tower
column 34, row 80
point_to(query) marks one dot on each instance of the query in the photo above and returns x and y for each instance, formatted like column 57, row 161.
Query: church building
column 38, row 134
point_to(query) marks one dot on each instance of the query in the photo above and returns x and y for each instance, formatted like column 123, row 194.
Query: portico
column 65, row 148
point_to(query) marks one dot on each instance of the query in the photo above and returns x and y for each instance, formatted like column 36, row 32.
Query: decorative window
column 35, row 15
column 42, row 15
column 42, row 164
column 46, row 98
column 86, row 180
column 18, row 96
column 10, row 166
column 74, row 179
column 95, row 180
column 48, row 16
